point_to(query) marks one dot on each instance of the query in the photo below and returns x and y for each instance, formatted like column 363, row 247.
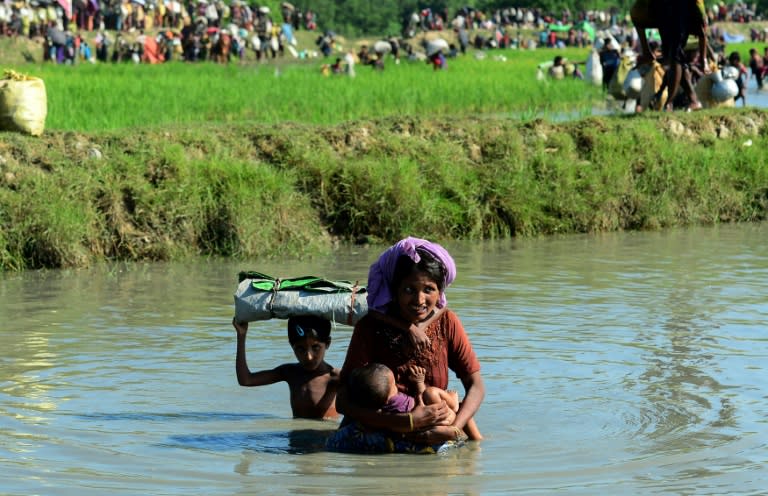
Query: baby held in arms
column 374, row 386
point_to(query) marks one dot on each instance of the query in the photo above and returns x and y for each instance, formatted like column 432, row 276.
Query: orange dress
column 450, row 349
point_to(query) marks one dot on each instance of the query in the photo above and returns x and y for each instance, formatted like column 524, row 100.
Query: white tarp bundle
column 594, row 70
column 382, row 46
column 261, row 297
column 633, row 84
column 436, row 45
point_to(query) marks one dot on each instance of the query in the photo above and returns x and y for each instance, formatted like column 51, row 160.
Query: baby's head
column 372, row 386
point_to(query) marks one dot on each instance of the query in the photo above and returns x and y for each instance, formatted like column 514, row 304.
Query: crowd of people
column 221, row 31
column 32, row 17
column 674, row 66
column 193, row 30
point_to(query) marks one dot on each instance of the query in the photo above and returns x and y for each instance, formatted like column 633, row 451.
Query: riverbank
column 293, row 190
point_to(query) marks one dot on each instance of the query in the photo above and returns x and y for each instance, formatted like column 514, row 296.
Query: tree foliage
column 361, row 17
column 386, row 17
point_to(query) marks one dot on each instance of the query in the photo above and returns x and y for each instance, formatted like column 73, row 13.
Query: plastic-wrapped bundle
column 724, row 90
column 434, row 46
column 730, row 72
column 23, row 103
column 633, row 84
column 382, row 46
column 594, row 70
column 262, row 297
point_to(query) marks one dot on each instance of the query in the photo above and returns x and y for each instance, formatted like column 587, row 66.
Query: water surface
column 629, row 363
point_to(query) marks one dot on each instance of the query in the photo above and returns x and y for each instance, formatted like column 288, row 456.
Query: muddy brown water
column 629, row 363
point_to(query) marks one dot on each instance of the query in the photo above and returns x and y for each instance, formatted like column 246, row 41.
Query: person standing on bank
column 409, row 325
column 678, row 19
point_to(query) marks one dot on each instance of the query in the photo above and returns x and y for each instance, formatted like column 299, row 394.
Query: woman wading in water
column 409, row 325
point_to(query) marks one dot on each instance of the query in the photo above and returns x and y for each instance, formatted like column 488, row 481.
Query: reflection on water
column 755, row 98
column 187, row 416
column 295, row 442
column 620, row 363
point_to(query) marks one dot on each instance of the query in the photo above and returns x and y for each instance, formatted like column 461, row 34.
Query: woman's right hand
column 425, row 416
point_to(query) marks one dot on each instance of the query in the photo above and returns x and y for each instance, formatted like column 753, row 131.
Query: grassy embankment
column 164, row 162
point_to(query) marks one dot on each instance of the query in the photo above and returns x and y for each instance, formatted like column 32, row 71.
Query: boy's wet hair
column 309, row 326
column 369, row 385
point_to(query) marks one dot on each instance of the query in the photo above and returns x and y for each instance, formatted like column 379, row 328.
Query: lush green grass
column 147, row 200
column 108, row 96
column 246, row 190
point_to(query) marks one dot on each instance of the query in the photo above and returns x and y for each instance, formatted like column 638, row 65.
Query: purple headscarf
column 383, row 270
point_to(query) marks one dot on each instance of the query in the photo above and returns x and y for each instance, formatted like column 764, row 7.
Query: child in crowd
column 312, row 381
column 757, row 66
column 561, row 68
column 765, row 61
column 734, row 60
column 374, row 386
column 336, row 67
column 437, row 60
column 557, row 69
column 610, row 59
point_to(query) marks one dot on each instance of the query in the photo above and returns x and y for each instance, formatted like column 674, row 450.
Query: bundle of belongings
column 263, row 297
column 23, row 103
column 719, row 88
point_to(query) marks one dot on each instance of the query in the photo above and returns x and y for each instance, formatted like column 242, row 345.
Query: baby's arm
column 418, row 375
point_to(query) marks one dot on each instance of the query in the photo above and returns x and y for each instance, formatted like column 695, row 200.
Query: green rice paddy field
column 106, row 96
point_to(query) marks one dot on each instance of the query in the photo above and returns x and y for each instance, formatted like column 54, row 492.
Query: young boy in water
column 312, row 381
column 734, row 60
column 374, row 386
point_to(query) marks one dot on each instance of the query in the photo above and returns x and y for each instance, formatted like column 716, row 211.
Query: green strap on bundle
column 263, row 282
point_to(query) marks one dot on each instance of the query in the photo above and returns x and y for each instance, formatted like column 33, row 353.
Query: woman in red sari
column 408, row 324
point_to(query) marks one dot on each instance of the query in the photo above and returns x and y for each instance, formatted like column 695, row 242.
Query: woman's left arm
column 463, row 361
column 475, row 393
